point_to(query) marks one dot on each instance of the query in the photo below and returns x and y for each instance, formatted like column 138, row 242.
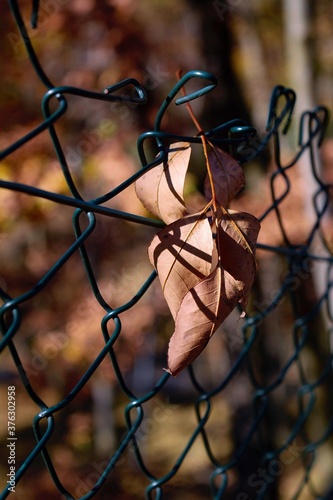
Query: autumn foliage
column 205, row 260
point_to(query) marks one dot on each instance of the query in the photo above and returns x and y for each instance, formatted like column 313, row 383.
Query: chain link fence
column 252, row 417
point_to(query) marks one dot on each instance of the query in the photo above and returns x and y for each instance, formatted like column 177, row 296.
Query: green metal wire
column 237, row 135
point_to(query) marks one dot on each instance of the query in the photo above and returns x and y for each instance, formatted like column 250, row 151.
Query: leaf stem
column 204, row 145
column 209, row 171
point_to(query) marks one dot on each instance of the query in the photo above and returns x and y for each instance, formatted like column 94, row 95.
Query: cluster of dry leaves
column 205, row 260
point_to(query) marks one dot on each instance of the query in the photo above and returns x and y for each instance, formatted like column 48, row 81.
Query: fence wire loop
column 275, row 118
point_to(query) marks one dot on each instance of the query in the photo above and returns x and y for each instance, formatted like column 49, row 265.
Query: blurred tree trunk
column 227, row 101
column 296, row 19
column 254, row 68
column 300, row 71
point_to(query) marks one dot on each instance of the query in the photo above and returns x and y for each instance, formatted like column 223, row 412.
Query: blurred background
column 251, row 46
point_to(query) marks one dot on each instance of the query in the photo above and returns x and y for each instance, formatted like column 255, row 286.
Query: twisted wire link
column 239, row 137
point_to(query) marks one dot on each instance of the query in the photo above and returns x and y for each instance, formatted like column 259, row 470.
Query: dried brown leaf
column 161, row 189
column 212, row 299
column 237, row 235
column 202, row 278
column 181, row 253
column 227, row 176
column 202, row 311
